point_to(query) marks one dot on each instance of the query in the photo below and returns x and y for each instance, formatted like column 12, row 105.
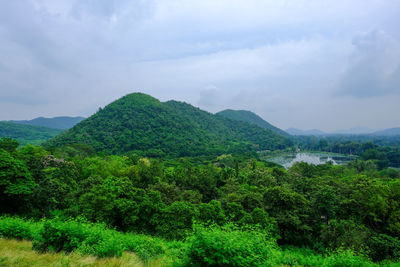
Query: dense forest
column 175, row 184
column 323, row 208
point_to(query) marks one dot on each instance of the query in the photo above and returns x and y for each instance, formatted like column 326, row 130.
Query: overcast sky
column 297, row 63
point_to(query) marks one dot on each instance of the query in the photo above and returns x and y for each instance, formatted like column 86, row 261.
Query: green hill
column 56, row 122
column 139, row 122
column 27, row 134
column 250, row 117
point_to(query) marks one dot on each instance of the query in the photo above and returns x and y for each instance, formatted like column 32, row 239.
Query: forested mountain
column 56, row 122
column 250, row 117
column 139, row 122
column 27, row 134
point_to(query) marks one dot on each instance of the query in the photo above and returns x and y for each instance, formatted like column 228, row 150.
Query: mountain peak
column 139, row 122
column 138, row 99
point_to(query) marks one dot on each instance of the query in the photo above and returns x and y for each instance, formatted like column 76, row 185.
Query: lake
column 287, row 159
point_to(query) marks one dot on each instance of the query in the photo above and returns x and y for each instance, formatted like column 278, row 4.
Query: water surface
column 288, row 159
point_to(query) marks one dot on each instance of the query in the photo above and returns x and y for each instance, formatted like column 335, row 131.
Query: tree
column 176, row 220
column 16, row 183
column 8, row 144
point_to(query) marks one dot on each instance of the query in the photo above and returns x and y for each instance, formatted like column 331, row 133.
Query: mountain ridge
column 250, row 117
column 295, row 131
column 60, row 122
column 139, row 122
column 387, row 132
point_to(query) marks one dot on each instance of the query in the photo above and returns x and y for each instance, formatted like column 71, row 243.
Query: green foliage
column 16, row 183
column 212, row 212
column 8, row 144
column 13, row 227
column 325, row 207
column 94, row 239
column 305, row 257
column 344, row 234
column 15, row 178
column 290, row 210
column 176, row 220
column 62, row 236
column 383, row 247
column 229, row 246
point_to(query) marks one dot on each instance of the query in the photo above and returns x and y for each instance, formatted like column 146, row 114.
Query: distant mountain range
column 294, row 131
column 250, row 117
column 352, row 131
column 139, row 122
column 388, row 132
column 63, row 123
column 356, row 130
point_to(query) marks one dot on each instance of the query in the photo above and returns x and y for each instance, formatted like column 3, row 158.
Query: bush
column 94, row 239
column 229, row 246
column 108, row 244
column 294, row 256
column 144, row 246
column 57, row 236
column 11, row 227
column 347, row 258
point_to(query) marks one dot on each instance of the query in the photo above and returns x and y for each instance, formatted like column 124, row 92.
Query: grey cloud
column 278, row 58
column 24, row 26
column 113, row 10
column 103, row 8
column 373, row 68
column 209, row 97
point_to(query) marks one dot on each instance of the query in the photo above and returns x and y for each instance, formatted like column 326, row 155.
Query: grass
column 19, row 253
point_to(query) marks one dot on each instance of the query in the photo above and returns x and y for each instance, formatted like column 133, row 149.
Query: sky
column 325, row 64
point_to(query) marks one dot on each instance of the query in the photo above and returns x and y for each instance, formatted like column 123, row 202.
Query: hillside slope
column 56, row 122
column 27, row 134
column 250, row 117
column 139, row 122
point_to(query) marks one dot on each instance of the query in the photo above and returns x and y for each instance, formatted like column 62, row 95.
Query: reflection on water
column 287, row 160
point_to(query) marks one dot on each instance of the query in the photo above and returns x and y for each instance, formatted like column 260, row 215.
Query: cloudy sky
column 297, row 63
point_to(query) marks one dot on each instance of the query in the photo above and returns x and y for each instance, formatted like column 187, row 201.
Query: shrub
column 12, row 227
column 347, row 258
column 144, row 246
column 57, row 236
column 94, row 239
column 294, row 256
column 229, row 246
column 108, row 244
